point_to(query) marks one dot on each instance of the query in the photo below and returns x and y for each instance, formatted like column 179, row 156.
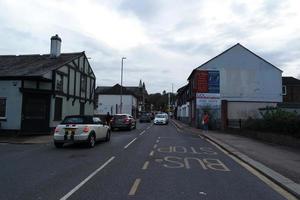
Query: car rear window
column 76, row 120
column 160, row 116
column 120, row 116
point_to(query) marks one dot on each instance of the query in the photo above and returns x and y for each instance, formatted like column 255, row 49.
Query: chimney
column 55, row 46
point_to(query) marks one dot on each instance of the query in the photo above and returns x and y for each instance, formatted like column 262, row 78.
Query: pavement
column 280, row 164
column 26, row 139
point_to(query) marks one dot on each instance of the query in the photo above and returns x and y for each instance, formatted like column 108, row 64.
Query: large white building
column 247, row 82
column 109, row 101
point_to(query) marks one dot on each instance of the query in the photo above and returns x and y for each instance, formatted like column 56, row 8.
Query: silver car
column 81, row 129
column 161, row 119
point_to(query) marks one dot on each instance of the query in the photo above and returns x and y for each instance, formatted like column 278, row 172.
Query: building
column 109, row 100
column 182, row 108
column 142, row 96
column 291, row 95
column 38, row 91
column 291, row 90
column 233, row 86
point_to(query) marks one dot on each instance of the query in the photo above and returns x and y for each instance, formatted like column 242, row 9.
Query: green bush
column 276, row 120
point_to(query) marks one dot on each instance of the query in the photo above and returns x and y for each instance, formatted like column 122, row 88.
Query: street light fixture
column 121, row 101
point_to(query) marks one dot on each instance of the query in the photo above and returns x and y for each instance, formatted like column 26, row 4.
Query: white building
column 247, row 83
column 109, row 100
column 38, row 91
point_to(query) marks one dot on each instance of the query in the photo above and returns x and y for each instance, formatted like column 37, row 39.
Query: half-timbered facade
column 38, row 91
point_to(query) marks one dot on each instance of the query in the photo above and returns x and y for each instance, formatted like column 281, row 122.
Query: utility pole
column 121, row 92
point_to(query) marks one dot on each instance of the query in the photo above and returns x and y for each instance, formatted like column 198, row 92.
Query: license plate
column 69, row 130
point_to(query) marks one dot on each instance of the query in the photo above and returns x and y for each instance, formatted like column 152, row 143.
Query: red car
column 123, row 121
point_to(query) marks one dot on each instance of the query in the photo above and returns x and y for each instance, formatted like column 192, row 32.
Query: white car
column 81, row 129
column 161, row 119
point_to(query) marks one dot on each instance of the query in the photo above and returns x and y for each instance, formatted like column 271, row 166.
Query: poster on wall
column 213, row 82
column 211, row 100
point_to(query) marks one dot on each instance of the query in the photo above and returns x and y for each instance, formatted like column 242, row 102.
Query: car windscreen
column 75, row 120
column 160, row 116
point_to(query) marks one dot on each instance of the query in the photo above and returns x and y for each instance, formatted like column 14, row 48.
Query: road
column 151, row 162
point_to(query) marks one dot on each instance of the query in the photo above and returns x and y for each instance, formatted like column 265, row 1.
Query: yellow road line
column 145, row 166
column 263, row 178
column 134, row 187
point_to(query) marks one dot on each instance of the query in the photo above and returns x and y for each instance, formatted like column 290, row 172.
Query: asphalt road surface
column 151, row 162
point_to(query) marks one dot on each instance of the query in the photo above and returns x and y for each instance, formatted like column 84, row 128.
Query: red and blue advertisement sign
column 208, row 82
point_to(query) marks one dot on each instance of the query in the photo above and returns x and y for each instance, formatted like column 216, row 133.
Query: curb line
column 285, row 183
column 274, row 176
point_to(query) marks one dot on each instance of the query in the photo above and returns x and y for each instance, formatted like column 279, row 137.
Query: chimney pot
column 55, row 46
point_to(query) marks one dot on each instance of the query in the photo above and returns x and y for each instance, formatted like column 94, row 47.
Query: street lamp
column 121, row 101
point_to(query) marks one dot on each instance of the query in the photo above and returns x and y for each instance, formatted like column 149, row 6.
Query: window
column 58, row 109
column 283, row 90
column 2, row 107
column 83, row 83
column 59, row 82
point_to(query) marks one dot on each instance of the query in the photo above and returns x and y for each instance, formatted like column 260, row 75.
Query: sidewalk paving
column 32, row 139
column 281, row 164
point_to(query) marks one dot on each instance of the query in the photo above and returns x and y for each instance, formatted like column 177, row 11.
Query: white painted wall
column 106, row 103
column 183, row 110
column 244, row 110
column 10, row 91
column 69, row 109
column 245, row 77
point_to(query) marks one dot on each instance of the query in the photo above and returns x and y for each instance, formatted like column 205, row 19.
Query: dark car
column 145, row 117
column 123, row 121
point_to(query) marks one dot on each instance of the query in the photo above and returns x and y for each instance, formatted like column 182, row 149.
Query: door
column 35, row 113
column 82, row 108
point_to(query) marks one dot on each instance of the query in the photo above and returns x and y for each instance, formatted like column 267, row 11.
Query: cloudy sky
column 163, row 40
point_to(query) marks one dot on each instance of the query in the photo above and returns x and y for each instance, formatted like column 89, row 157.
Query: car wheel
column 107, row 138
column 91, row 140
column 58, row 145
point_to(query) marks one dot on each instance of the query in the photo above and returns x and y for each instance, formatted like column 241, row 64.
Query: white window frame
column 284, row 90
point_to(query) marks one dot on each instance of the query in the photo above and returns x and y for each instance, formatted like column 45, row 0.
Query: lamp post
column 121, row 101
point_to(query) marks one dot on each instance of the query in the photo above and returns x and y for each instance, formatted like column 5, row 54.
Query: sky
column 162, row 40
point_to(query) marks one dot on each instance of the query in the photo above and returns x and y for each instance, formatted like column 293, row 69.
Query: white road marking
column 87, row 179
column 157, row 141
column 148, row 127
column 134, row 187
column 154, row 147
column 142, row 132
column 145, row 166
column 130, row 143
column 151, row 153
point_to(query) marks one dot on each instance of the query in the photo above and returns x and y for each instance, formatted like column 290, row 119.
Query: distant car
column 145, row 117
column 161, row 119
column 81, row 129
column 123, row 121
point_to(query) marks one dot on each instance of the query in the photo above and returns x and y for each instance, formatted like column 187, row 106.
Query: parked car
column 145, row 117
column 161, row 119
column 81, row 129
column 123, row 121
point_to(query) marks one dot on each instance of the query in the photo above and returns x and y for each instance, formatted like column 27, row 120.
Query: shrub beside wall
column 276, row 120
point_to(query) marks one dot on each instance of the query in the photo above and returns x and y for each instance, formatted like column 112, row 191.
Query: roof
column 116, row 89
column 288, row 80
column 137, row 90
column 182, row 88
column 238, row 44
column 33, row 65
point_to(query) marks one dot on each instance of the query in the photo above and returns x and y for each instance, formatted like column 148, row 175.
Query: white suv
column 80, row 129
